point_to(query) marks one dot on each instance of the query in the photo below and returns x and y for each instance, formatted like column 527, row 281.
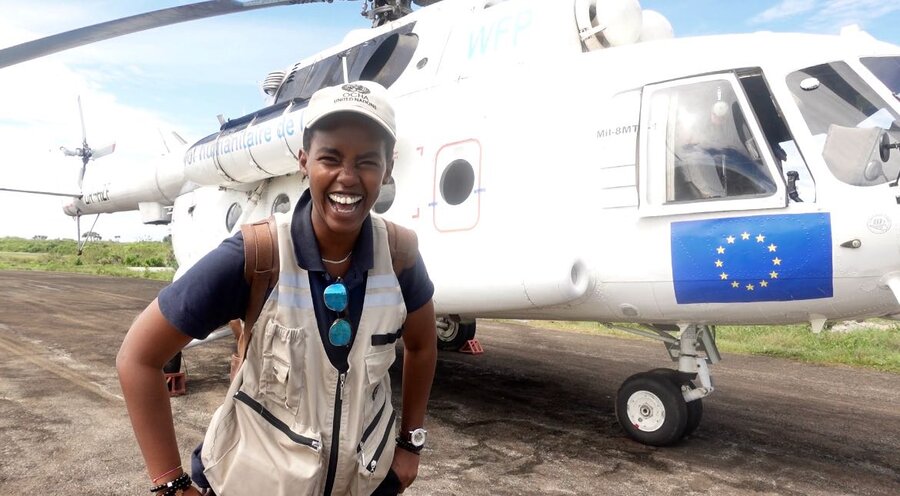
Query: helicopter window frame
column 780, row 138
column 846, row 89
column 656, row 158
column 233, row 215
column 303, row 81
column 886, row 69
column 281, row 204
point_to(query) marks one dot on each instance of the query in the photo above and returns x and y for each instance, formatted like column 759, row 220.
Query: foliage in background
column 98, row 257
column 874, row 344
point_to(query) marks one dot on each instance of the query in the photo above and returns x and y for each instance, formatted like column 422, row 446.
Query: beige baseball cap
column 366, row 98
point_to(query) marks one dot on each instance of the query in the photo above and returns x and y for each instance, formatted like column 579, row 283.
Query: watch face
column 417, row 437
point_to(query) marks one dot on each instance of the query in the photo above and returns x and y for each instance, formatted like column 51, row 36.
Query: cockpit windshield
column 887, row 69
column 847, row 117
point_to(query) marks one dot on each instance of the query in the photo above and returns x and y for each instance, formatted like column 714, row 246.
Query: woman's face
column 346, row 163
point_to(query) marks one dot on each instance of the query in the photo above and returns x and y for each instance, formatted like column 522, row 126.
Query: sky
column 138, row 87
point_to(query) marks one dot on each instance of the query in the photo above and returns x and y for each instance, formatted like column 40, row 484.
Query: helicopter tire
column 651, row 409
column 173, row 365
column 453, row 334
column 694, row 408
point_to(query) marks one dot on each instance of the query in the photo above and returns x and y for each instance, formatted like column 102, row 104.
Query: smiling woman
column 325, row 337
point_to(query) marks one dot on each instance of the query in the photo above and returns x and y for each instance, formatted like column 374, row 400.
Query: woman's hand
column 406, row 466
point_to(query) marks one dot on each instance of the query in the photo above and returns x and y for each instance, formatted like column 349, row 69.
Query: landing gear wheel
column 651, row 409
column 694, row 408
column 173, row 365
column 452, row 333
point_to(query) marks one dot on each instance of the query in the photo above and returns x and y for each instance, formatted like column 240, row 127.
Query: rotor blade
column 179, row 138
column 83, row 130
column 106, row 150
column 67, row 152
column 164, row 142
column 81, row 174
column 50, row 193
column 127, row 25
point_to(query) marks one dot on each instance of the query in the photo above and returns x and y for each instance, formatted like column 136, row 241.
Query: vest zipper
column 371, row 427
column 335, row 435
column 373, row 464
column 273, row 420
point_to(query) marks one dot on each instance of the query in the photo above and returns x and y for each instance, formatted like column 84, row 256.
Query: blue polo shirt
column 214, row 290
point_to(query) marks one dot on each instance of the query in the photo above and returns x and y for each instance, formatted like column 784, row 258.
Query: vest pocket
column 261, row 454
column 372, row 450
column 283, row 354
column 378, row 364
column 377, row 443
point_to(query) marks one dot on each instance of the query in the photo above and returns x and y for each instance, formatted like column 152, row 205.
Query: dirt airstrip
column 533, row 415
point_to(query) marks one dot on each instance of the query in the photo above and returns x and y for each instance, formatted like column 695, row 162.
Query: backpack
column 261, row 270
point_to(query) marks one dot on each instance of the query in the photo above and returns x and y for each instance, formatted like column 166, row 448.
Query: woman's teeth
column 344, row 203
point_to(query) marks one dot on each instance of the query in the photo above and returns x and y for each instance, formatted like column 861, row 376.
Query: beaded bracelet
column 173, row 486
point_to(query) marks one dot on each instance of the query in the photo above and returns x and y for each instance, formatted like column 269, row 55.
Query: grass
column 98, row 257
column 874, row 346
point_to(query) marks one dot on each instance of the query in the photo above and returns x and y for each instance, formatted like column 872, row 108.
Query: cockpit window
column 711, row 152
column 887, row 69
column 846, row 117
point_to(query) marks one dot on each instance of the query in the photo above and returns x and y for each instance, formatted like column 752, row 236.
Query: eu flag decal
column 745, row 259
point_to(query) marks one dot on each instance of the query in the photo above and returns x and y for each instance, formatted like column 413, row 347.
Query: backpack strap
column 404, row 246
column 261, row 273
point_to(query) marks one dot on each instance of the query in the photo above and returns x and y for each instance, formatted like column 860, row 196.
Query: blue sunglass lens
column 339, row 333
column 336, row 297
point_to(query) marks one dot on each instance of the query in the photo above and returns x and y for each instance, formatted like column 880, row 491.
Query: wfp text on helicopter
column 572, row 160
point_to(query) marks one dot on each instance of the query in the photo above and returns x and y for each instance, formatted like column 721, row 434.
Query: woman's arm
column 149, row 344
column 419, row 361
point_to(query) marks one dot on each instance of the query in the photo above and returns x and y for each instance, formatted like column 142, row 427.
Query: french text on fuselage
column 253, row 136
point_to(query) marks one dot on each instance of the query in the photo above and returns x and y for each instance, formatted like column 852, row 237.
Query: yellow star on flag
column 730, row 240
column 745, row 235
column 760, row 238
column 749, row 287
column 719, row 263
column 720, row 250
column 773, row 275
column 723, row 276
column 772, row 248
column 763, row 284
column 776, row 261
column 735, row 284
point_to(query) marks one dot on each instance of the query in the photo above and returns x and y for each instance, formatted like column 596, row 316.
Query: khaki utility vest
column 290, row 423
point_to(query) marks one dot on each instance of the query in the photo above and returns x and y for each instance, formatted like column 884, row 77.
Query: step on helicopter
column 573, row 160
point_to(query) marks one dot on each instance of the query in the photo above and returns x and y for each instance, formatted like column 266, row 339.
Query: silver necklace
column 336, row 262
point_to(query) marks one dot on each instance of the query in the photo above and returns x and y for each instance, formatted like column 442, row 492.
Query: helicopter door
column 701, row 150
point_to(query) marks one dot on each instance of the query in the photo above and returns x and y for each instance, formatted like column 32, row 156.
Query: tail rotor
column 85, row 151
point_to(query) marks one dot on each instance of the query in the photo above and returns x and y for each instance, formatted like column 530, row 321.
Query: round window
column 282, row 204
column 386, row 197
column 233, row 215
column 457, row 182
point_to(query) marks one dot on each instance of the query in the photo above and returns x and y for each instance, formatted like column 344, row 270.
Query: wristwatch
column 413, row 440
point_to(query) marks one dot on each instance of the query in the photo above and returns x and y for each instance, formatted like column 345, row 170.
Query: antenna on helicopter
column 85, row 151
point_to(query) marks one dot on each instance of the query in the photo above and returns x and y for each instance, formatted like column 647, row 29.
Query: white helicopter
column 572, row 160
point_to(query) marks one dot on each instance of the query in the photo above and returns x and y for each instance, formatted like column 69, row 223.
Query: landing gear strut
column 662, row 406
